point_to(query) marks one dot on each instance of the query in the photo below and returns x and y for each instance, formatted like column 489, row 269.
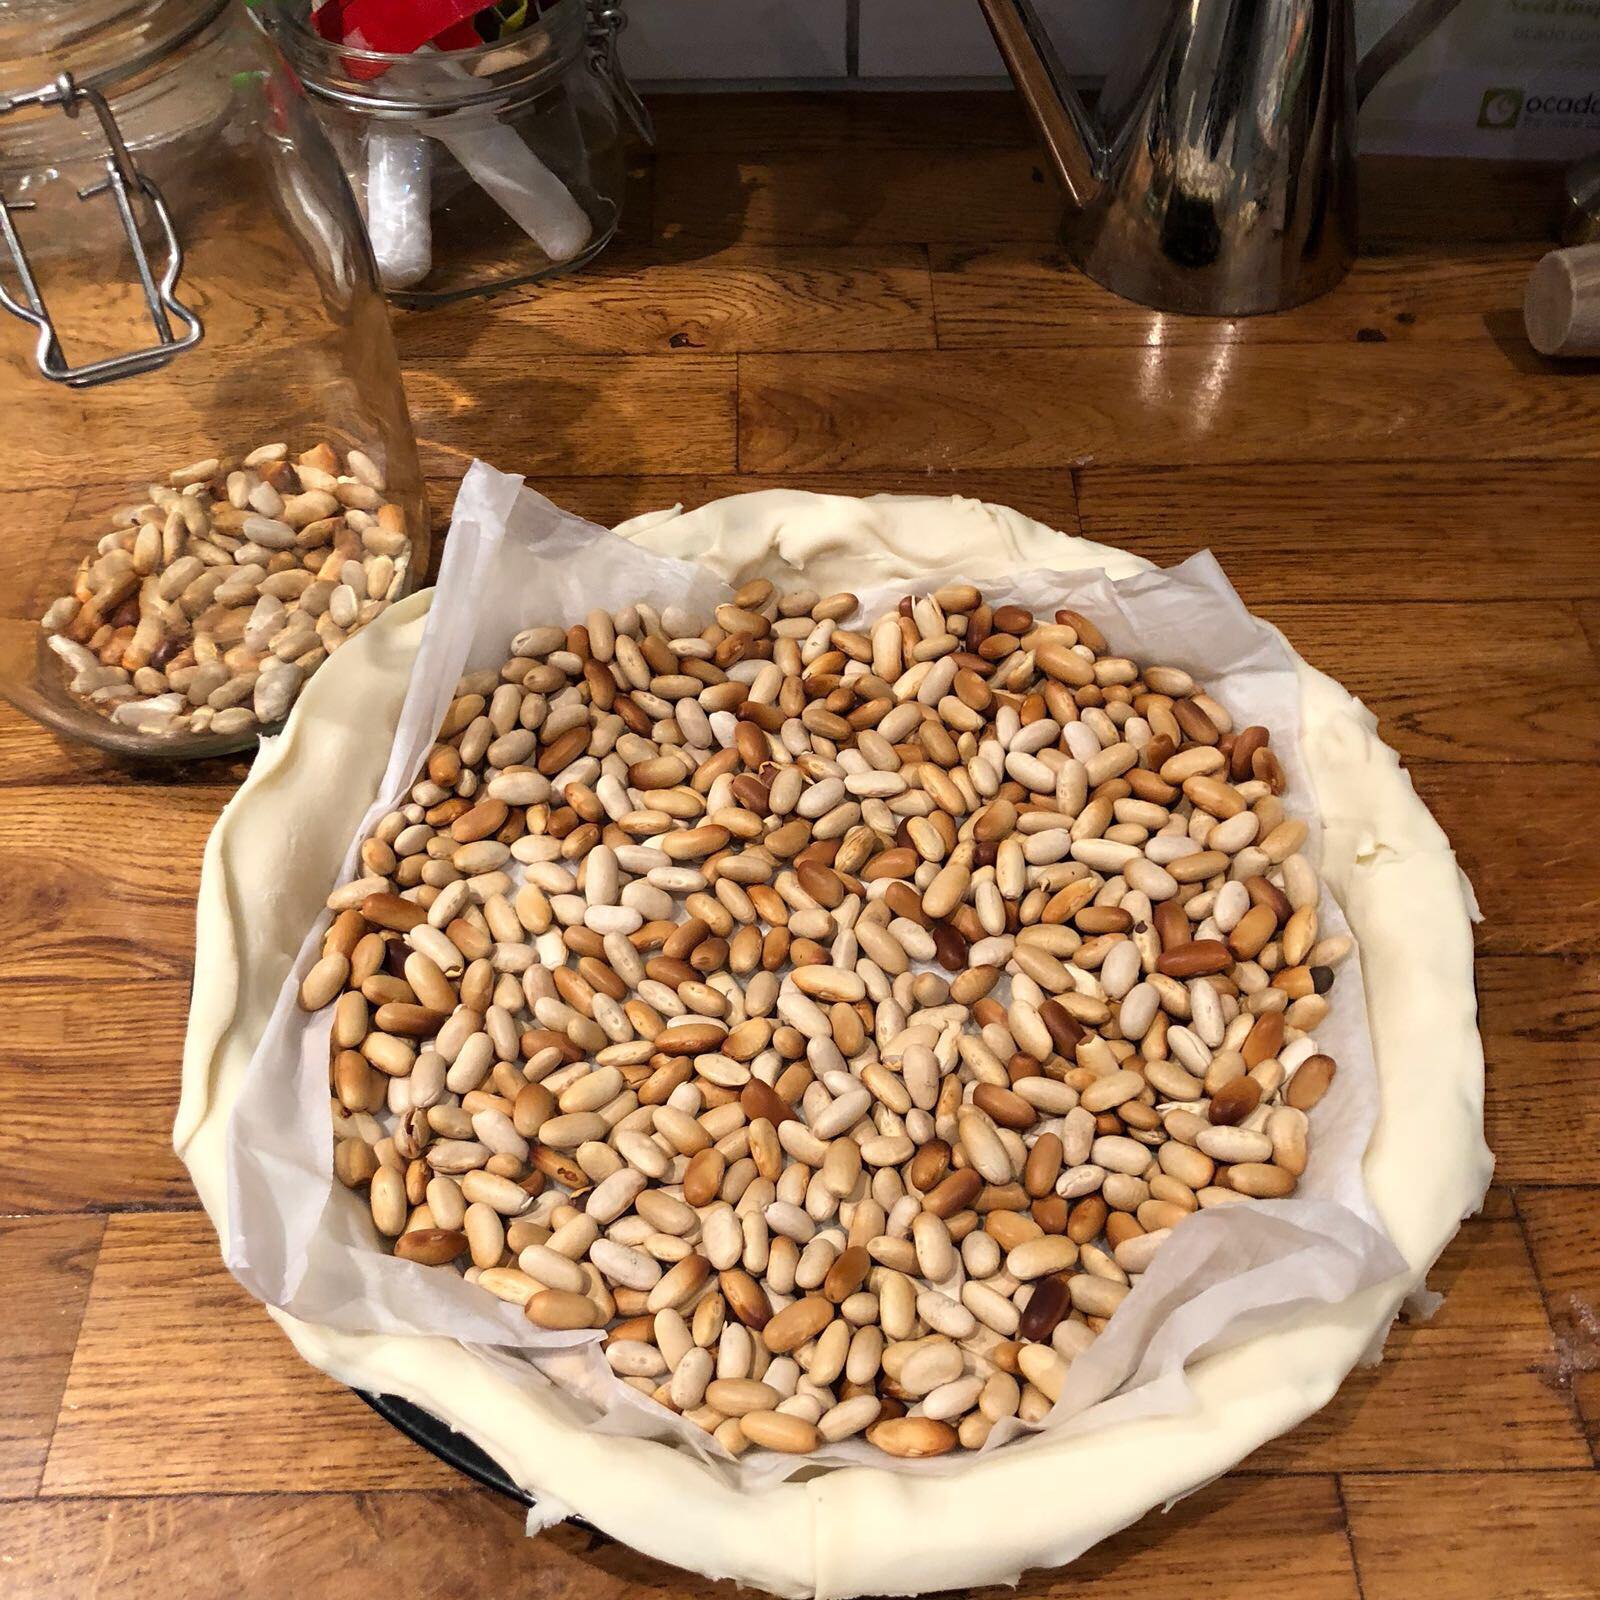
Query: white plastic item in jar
column 399, row 202
column 521, row 185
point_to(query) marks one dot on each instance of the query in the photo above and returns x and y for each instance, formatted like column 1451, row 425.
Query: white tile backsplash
column 756, row 42
column 950, row 39
column 926, row 39
column 735, row 39
column 1428, row 103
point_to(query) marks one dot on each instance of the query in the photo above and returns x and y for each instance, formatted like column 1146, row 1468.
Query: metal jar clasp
column 122, row 180
column 607, row 19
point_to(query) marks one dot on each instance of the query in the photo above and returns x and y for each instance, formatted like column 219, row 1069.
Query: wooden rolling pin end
column 1561, row 309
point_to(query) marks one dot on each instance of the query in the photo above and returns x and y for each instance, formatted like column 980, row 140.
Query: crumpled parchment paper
column 302, row 1242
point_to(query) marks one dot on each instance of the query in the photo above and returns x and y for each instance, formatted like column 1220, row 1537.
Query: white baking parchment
column 302, row 1242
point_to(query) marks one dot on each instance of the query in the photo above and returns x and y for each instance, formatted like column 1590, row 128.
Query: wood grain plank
column 717, row 160
column 1460, row 682
column 1455, row 205
column 1470, row 1388
column 572, row 414
column 877, row 196
column 1411, row 530
column 31, row 754
column 1521, row 1536
column 172, row 1349
column 90, row 1083
column 407, row 1546
column 1563, row 1229
column 1540, row 1018
column 99, row 883
column 1405, row 202
column 263, row 1547
column 651, row 301
column 263, row 373
column 1211, row 1543
column 1028, row 297
column 46, row 1263
column 1588, row 613
column 30, row 577
column 1517, row 834
column 1228, row 404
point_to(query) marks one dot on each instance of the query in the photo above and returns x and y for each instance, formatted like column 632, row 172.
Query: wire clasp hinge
column 123, row 181
column 607, row 19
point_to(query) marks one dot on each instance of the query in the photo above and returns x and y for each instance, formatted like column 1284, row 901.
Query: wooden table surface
column 852, row 295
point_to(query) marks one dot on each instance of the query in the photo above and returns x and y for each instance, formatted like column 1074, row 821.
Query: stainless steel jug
column 1218, row 175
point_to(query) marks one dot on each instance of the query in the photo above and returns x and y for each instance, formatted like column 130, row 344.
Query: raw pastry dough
column 868, row 1530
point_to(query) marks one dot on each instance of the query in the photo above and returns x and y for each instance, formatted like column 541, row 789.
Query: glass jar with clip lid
column 211, row 478
column 482, row 167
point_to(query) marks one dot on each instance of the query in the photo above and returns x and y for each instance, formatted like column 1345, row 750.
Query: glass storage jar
column 210, row 477
column 481, row 168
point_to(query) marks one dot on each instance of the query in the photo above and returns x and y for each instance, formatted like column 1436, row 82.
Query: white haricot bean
column 1234, row 1144
column 848, row 1418
column 690, row 1378
column 991, row 1307
column 633, row 1269
column 553, row 1270
column 610, row 1198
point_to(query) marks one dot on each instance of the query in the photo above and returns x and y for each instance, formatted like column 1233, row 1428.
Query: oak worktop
column 853, row 294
